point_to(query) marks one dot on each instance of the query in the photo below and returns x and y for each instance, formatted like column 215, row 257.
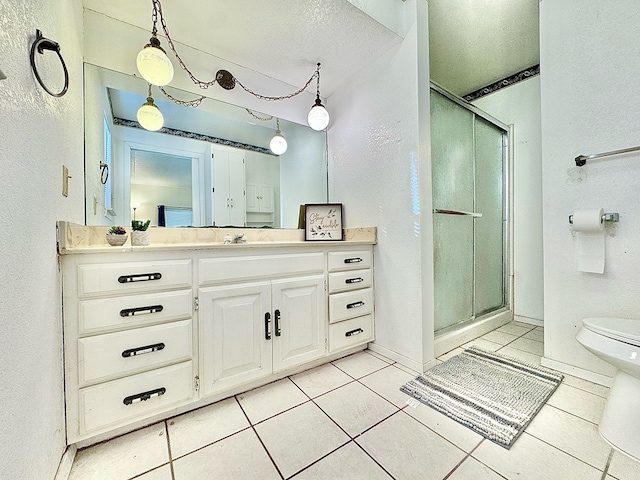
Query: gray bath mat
column 492, row 394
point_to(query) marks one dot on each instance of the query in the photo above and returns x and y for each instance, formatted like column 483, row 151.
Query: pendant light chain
column 262, row 119
column 157, row 11
column 184, row 103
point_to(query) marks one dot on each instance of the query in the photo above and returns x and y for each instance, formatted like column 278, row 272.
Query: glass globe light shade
column 150, row 116
column 278, row 144
column 318, row 117
column 154, row 66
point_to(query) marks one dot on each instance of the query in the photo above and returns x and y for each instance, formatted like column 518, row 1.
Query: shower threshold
column 457, row 335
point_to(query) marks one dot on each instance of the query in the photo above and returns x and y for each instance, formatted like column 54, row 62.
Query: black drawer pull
column 355, row 304
column 354, row 280
column 130, row 312
column 353, row 260
column 277, row 320
column 267, row 326
column 132, row 352
column 144, row 396
column 351, row 333
column 140, row 277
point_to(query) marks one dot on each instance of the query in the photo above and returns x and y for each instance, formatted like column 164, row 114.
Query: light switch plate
column 65, row 181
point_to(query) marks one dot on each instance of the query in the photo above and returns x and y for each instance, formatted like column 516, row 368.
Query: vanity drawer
column 351, row 260
column 350, row 280
column 122, row 401
column 120, row 278
column 350, row 333
column 117, row 313
column 104, row 357
column 350, row 304
column 240, row 268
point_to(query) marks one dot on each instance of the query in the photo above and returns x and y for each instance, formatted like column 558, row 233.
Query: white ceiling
column 333, row 32
column 472, row 42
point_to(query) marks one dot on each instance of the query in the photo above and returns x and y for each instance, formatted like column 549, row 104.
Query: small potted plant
column 139, row 234
column 116, row 236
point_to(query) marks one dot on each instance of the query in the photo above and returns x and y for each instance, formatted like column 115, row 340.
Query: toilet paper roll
column 589, row 228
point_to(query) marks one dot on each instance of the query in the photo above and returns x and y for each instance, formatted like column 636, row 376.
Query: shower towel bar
column 582, row 159
column 456, row 212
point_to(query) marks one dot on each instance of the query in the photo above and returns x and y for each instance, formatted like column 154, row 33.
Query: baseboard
column 528, row 320
column 577, row 372
column 66, row 462
column 407, row 362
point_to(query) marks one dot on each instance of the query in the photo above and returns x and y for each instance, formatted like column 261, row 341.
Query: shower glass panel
column 468, row 157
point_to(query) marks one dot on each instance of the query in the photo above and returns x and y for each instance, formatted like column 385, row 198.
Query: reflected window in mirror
column 106, row 173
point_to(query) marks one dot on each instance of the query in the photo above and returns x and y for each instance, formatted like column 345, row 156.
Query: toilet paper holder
column 607, row 217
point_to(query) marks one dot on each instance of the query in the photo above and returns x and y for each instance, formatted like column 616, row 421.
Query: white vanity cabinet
column 151, row 332
column 129, row 340
column 350, row 298
column 270, row 318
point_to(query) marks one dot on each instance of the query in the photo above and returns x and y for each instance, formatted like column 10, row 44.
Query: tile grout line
column 166, row 429
column 467, row 455
column 376, row 461
column 608, row 464
column 321, row 458
column 259, row 438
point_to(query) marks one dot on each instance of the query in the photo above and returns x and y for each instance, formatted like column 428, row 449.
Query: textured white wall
column 520, row 105
column 590, row 104
column 379, row 167
column 39, row 134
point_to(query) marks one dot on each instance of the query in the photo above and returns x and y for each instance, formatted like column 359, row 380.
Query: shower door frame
column 461, row 332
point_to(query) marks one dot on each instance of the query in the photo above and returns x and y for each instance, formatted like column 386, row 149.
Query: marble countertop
column 74, row 238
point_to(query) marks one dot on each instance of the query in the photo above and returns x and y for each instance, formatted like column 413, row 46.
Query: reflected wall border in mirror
column 111, row 101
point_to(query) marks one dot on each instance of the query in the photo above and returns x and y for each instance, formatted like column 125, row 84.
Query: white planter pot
column 139, row 238
column 116, row 240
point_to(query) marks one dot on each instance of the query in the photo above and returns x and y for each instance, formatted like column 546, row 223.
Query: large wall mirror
column 208, row 166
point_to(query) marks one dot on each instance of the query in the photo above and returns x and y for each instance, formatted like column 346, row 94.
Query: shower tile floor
column 348, row 420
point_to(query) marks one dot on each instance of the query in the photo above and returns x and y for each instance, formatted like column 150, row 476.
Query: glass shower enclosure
column 469, row 153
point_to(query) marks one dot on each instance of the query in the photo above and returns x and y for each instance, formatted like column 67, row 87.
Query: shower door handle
column 456, row 212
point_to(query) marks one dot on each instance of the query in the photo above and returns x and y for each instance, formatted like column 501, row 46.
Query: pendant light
column 149, row 115
column 152, row 61
column 318, row 117
column 278, row 144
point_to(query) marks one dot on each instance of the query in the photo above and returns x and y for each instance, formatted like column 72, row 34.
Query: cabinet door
column 236, row 189
column 299, row 321
column 252, row 198
column 266, row 198
column 233, row 347
column 221, row 197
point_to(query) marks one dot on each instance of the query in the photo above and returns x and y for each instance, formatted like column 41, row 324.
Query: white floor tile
column 458, row 434
column 521, row 355
column 162, row 473
column 299, row 437
column 532, row 459
column 482, row 343
column 600, row 390
column 346, row 463
column 623, row 468
column 321, row 379
column 409, row 450
column 537, row 335
column 452, row 353
column 527, row 345
column 123, row 457
column 473, row 469
column 406, row 369
column 387, row 382
column 360, row 364
column 267, row 401
column 355, row 408
column 239, row 457
column 514, row 328
column 578, row 402
column 502, row 338
column 570, row 434
column 206, row 425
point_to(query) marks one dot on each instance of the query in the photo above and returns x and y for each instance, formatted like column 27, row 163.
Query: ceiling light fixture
column 278, row 144
column 155, row 67
column 149, row 115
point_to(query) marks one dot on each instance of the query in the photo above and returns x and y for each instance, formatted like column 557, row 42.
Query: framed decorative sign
column 323, row 221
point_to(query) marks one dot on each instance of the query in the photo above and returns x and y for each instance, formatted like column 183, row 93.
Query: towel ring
column 41, row 44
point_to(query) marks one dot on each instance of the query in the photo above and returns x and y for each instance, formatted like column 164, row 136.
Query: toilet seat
column 622, row 329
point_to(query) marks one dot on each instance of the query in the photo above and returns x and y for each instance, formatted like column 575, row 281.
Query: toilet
column 617, row 342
